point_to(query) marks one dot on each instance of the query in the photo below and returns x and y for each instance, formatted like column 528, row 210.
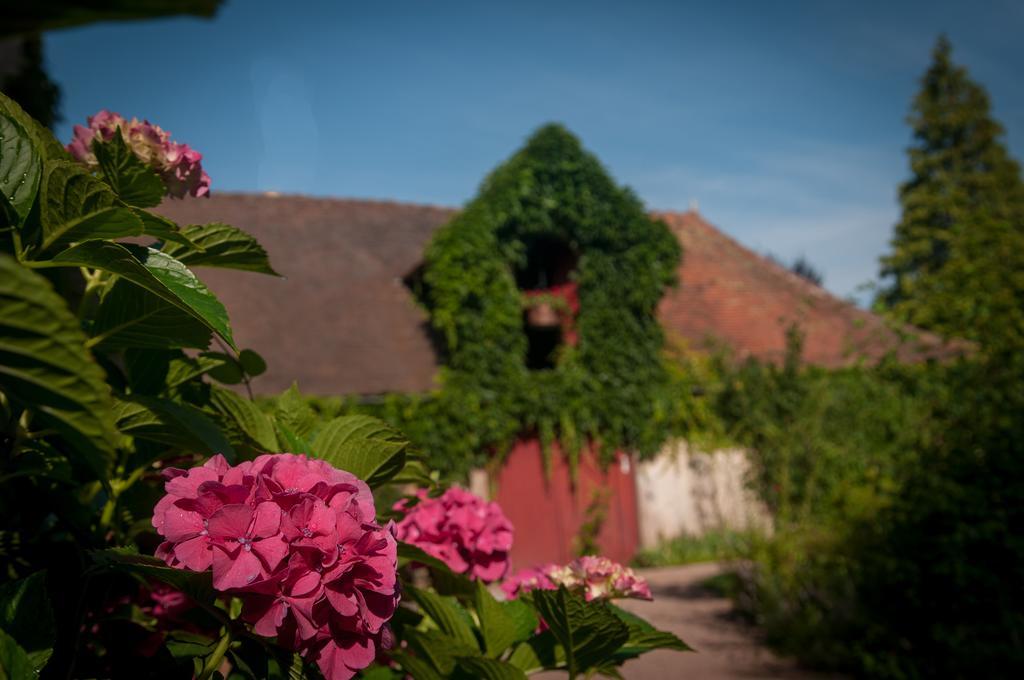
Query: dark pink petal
column 180, row 524
column 235, row 572
column 271, row 550
column 488, row 570
column 187, row 486
column 343, row 655
column 267, row 520
column 231, row 522
column 304, row 583
column 218, row 464
column 165, row 551
column 159, row 509
column 266, row 614
column 345, row 603
column 195, row 554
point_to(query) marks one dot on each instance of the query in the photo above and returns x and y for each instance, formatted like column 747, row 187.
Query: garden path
column 726, row 648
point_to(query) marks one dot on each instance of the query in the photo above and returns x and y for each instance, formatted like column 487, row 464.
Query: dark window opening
column 549, row 262
column 542, row 348
column 546, row 276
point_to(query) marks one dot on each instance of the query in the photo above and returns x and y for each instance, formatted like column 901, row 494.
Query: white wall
column 687, row 491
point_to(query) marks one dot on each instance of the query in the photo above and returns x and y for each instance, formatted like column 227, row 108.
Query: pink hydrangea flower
column 297, row 540
column 469, row 534
column 593, row 577
column 177, row 164
column 532, row 578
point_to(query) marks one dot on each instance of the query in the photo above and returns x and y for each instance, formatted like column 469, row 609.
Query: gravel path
column 726, row 648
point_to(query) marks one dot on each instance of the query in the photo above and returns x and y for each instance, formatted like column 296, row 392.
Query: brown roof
column 731, row 295
column 341, row 321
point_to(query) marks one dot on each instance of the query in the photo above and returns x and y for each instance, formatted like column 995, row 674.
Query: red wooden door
column 547, row 512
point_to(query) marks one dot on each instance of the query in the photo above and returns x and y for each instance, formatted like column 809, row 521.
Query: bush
column 897, row 494
column 253, row 564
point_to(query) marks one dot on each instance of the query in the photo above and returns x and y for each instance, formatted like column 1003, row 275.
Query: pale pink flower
column 469, row 534
column 596, row 578
column 178, row 165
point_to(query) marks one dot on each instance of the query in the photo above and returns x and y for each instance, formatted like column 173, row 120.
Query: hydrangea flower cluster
column 472, row 536
column 177, row 164
column 594, row 577
column 297, row 540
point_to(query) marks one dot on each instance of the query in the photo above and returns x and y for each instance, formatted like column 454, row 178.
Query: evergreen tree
column 957, row 260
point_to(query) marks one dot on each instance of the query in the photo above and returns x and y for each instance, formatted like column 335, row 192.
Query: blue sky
column 784, row 121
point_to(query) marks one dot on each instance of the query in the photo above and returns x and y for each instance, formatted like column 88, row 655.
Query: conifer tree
column 957, row 260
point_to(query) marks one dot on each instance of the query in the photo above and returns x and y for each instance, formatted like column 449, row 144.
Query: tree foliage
column 957, row 260
column 898, row 489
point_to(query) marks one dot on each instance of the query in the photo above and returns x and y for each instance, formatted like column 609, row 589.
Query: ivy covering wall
column 610, row 386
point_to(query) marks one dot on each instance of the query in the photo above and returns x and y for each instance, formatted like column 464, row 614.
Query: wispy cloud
column 834, row 204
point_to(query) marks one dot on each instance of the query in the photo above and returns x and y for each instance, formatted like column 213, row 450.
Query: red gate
column 548, row 511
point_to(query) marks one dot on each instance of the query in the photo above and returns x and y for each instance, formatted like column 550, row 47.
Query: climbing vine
column 608, row 384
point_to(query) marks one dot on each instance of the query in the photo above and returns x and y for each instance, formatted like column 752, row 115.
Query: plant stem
column 215, row 659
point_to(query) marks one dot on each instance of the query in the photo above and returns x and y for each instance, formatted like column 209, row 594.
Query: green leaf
column 539, row 652
column 45, row 366
column 39, row 459
column 20, row 166
column 222, row 246
column 589, row 632
column 502, row 624
column 418, row 668
column 415, row 472
column 294, row 412
column 46, row 145
column 643, row 637
column 134, row 182
column 297, row 669
column 156, row 272
column 174, row 425
column 246, row 416
column 160, row 227
column 147, row 369
column 440, row 649
column 183, row 644
column 377, row 672
column 129, row 316
column 15, row 663
column 196, row 584
column 76, row 206
column 26, row 614
column 444, row 580
column 365, row 446
column 183, row 368
column 8, row 215
column 290, row 441
column 228, row 371
column 490, row 669
column 252, row 363
column 451, row 618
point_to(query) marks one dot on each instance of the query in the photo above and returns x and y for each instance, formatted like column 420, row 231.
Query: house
column 342, row 320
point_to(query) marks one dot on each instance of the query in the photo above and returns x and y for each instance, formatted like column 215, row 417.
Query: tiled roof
column 341, row 321
column 731, row 295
